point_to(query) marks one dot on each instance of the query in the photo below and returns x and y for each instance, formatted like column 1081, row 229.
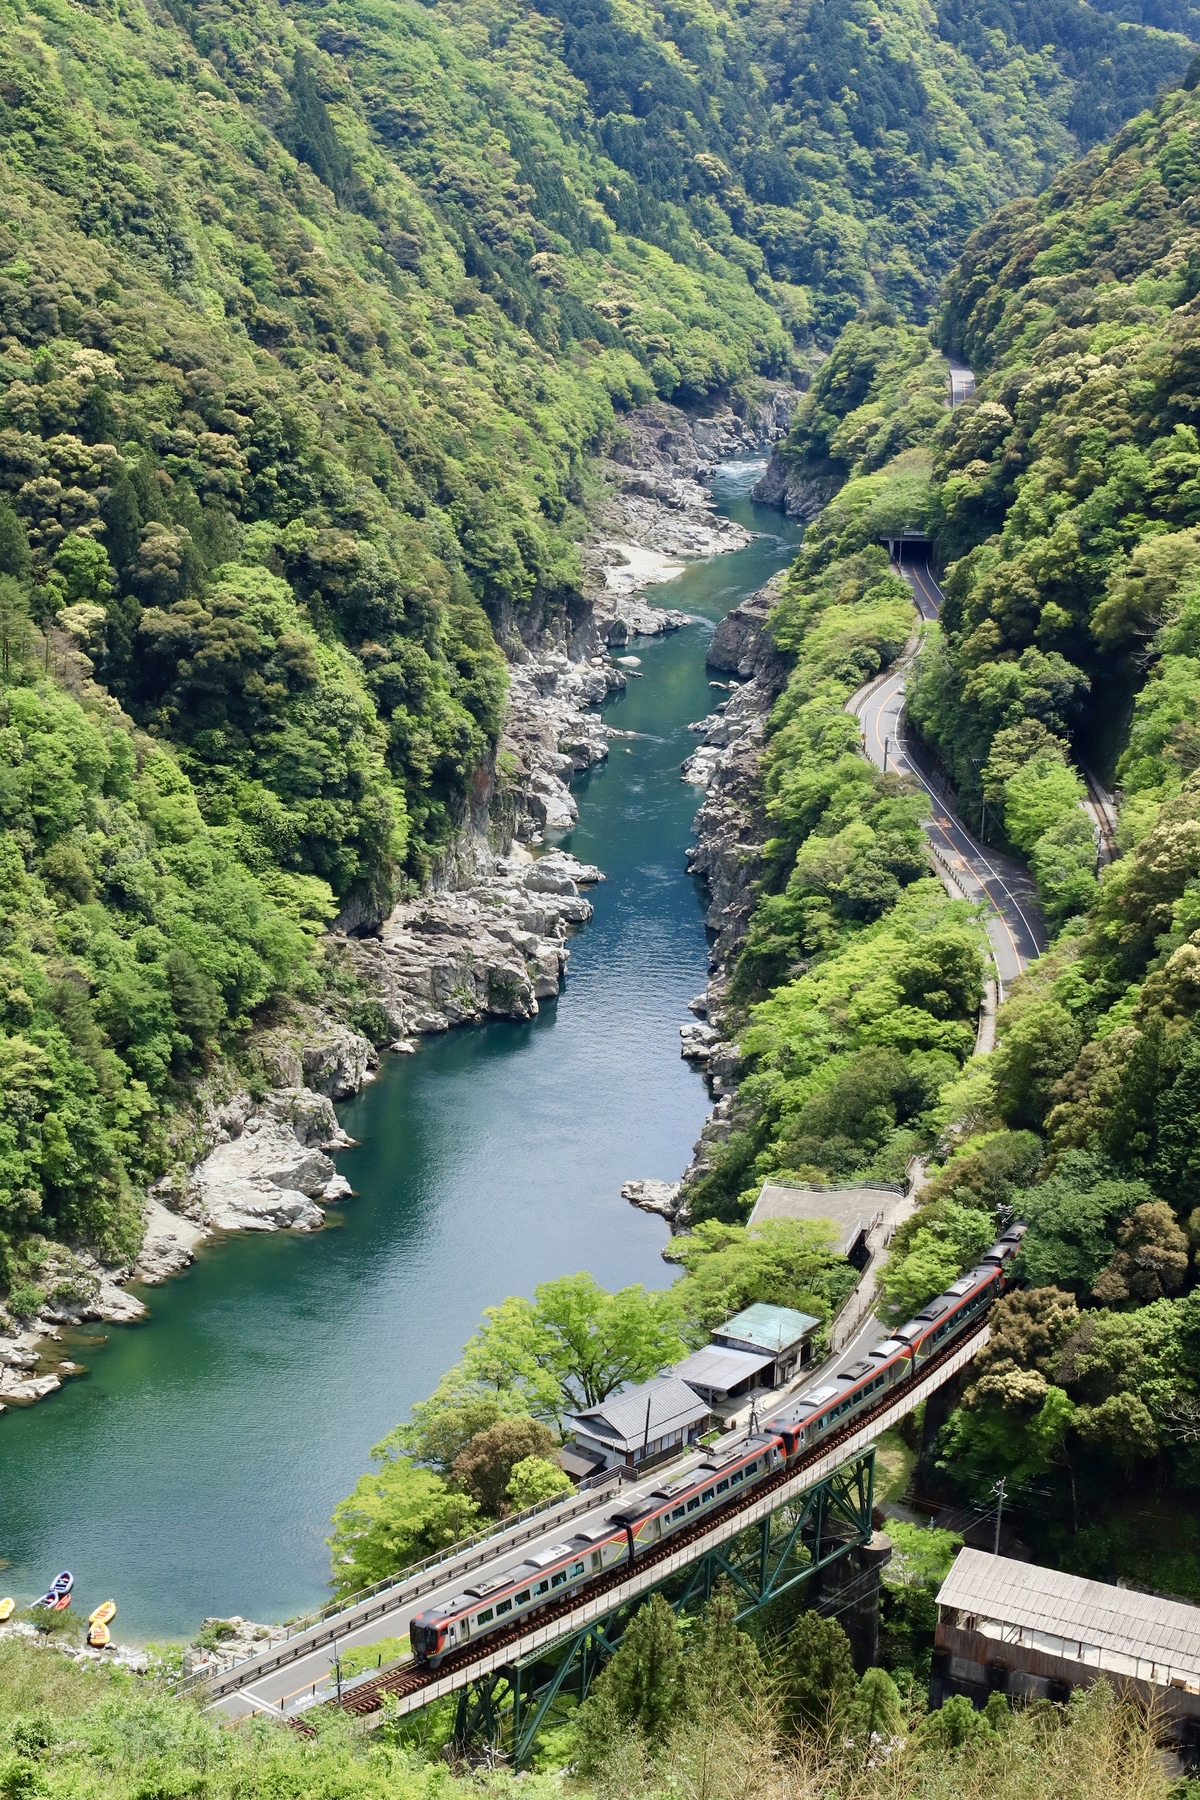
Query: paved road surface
column 962, row 382
column 1014, row 922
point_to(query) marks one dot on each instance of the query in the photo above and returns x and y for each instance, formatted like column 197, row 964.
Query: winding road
column 1014, row 921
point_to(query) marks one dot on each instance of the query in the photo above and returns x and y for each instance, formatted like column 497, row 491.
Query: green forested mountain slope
column 1068, row 494
column 1064, row 501
column 309, row 319
column 843, row 149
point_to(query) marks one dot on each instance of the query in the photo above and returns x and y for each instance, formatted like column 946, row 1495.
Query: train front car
column 1005, row 1250
column 811, row 1419
column 427, row 1637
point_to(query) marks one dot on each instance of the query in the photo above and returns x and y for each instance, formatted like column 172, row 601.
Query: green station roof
column 767, row 1327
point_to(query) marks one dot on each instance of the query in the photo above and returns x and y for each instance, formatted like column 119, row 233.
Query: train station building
column 635, row 1428
column 779, row 1335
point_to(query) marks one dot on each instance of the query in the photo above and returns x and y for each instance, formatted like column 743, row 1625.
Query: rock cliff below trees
column 800, row 492
column 493, row 950
column 731, row 830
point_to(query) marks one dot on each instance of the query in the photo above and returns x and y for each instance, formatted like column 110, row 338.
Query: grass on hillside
column 70, row 1732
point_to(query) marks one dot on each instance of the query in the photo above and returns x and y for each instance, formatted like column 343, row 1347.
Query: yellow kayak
column 7, row 1608
column 99, row 1635
column 103, row 1613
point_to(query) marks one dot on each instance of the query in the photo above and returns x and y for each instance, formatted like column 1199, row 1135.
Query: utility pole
column 646, row 1434
column 886, row 742
column 998, row 1490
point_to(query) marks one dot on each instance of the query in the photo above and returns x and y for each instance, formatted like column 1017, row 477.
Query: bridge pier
column 848, row 1590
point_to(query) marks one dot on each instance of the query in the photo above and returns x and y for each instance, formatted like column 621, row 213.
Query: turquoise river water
column 194, row 1469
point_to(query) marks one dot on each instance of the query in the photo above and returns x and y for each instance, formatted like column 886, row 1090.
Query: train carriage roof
column 541, row 1559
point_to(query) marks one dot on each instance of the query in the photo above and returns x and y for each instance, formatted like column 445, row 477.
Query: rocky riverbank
column 657, row 511
column 731, row 829
column 489, row 938
column 454, row 956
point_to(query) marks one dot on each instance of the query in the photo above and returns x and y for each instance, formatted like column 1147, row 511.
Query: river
column 194, row 1469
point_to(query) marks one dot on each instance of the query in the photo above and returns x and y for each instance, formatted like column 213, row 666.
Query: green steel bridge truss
column 506, row 1710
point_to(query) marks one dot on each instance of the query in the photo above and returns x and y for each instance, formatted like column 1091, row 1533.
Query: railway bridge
column 782, row 1532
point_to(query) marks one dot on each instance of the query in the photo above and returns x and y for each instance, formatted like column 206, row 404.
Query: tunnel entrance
column 908, row 546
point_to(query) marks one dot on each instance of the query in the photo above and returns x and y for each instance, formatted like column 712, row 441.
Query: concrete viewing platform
column 858, row 1213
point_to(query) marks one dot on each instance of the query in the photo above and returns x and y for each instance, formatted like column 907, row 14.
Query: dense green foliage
column 841, row 150
column 873, row 974
column 1066, row 493
column 69, row 1731
column 1063, row 503
column 134, row 939
column 881, row 390
column 307, row 329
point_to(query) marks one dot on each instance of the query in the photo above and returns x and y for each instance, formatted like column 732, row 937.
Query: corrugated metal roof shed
column 1117, row 1626
column 720, row 1369
column 622, row 1419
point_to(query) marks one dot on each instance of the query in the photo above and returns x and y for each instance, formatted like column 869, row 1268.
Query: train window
column 750, row 1468
column 707, row 1495
column 503, row 1606
column 522, row 1599
column 597, row 1559
column 543, row 1587
column 576, row 1569
column 678, row 1513
column 485, row 1617
column 558, row 1577
column 722, row 1487
column 693, row 1503
column 736, row 1477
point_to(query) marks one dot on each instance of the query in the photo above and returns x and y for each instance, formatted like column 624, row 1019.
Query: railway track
column 1103, row 809
column 409, row 1679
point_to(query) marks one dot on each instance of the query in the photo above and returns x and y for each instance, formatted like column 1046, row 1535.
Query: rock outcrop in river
column 493, row 950
column 730, row 827
column 802, row 493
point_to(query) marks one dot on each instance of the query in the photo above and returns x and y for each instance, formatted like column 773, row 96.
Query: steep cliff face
column 801, row 493
column 741, row 645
